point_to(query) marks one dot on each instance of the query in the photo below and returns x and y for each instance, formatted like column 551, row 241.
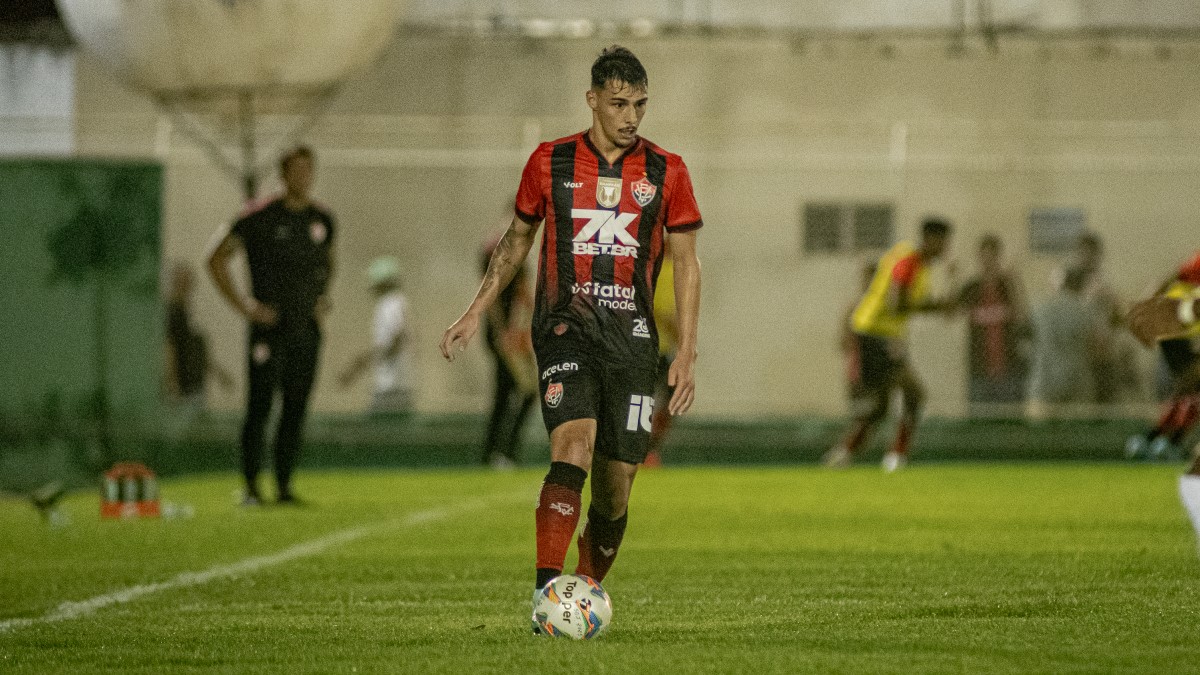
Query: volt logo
column 609, row 229
column 641, row 409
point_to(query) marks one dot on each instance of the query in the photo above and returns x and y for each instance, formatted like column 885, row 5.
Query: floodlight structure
column 218, row 66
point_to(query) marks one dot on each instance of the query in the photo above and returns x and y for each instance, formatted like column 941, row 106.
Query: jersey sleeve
column 905, row 271
column 531, row 195
column 683, row 214
column 1190, row 271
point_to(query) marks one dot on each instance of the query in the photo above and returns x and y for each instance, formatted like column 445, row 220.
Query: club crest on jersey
column 643, row 191
column 318, row 232
column 554, row 394
column 608, row 192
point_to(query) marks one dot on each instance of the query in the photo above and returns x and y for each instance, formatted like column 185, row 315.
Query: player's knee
column 572, row 446
column 914, row 400
column 873, row 410
column 611, row 505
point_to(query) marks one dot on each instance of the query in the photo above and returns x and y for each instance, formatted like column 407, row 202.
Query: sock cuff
column 567, row 475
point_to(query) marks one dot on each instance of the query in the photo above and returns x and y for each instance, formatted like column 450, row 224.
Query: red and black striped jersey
column 603, row 244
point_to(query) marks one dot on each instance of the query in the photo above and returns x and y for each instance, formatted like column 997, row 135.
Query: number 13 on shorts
column 641, row 409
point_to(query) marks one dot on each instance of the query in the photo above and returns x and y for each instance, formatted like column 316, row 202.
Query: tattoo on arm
column 506, row 259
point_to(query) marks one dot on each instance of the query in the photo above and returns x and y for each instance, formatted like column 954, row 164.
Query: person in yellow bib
column 1176, row 344
column 879, row 324
column 668, row 338
column 1169, row 319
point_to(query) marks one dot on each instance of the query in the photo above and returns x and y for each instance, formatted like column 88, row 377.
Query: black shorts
column 1179, row 355
column 579, row 382
column 878, row 369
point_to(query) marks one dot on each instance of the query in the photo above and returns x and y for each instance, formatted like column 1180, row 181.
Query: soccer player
column 610, row 199
column 289, row 246
column 880, row 326
column 1170, row 319
column 1183, row 408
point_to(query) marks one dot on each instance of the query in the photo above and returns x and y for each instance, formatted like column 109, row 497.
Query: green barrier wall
column 81, row 329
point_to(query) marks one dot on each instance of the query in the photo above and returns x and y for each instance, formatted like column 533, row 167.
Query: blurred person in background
column 848, row 341
column 998, row 322
column 1068, row 333
column 288, row 241
column 899, row 289
column 609, row 198
column 514, row 368
column 1171, row 316
column 187, row 363
column 668, row 340
column 390, row 357
column 1178, row 352
column 1112, row 371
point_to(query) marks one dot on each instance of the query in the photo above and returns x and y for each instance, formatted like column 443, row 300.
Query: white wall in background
column 37, row 100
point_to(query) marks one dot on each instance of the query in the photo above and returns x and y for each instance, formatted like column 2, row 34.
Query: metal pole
column 246, row 127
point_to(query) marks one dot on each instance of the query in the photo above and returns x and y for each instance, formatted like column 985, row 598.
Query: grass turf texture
column 941, row 568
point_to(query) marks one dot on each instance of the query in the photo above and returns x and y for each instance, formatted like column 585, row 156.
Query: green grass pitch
column 941, row 568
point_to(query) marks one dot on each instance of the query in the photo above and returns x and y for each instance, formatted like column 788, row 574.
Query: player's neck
column 610, row 151
column 296, row 202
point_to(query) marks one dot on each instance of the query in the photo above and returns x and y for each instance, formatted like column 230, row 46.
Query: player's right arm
column 508, row 257
column 225, row 246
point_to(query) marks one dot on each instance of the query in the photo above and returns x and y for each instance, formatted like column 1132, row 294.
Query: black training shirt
column 289, row 254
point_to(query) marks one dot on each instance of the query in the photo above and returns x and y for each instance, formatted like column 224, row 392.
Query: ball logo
column 318, row 232
column 554, row 394
column 643, row 191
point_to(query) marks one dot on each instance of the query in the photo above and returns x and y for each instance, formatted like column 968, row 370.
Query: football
column 572, row 606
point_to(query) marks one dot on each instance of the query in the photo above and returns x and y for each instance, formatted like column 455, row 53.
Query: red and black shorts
column 578, row 381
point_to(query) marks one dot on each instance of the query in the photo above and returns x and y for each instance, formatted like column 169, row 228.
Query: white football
column 572, row 606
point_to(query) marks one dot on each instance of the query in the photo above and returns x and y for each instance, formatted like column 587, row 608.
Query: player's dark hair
column 935, row 227
column 618, row 64
column 293, row 153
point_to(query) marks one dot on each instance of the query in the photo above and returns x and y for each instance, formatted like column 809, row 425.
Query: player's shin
column 599, row 543
column 557, row 516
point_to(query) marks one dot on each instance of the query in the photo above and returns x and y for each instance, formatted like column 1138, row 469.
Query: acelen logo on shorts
column 564, row 367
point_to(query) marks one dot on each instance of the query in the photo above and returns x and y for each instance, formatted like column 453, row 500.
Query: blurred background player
column 1109, row 360
column 289, row 247
column 1068, row 331
column 998, row 323
column 514, row 368
column 1179, row 353
column 593, row 327
column 899, row 289
column 390, row 356
column 1167, row 317
column 848, row 340
column 668, row 339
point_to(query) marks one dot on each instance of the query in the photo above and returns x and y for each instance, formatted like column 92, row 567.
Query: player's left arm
column 687, row 315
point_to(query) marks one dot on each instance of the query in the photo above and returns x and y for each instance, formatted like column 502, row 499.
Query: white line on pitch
column 74, row 610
